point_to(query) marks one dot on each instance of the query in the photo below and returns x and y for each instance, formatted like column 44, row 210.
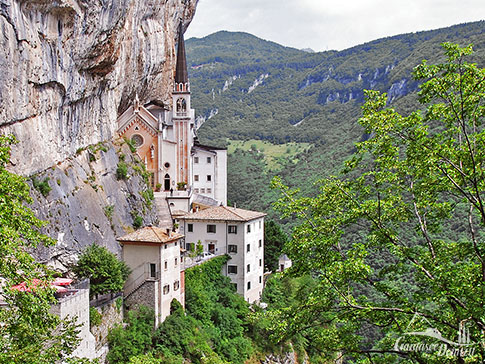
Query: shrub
column 137, row 221
column 108, row 211
column 42, row 186
column 131, row 145
column 121, row 170
column 94, row 317
column 106, row 273
column 133, row 340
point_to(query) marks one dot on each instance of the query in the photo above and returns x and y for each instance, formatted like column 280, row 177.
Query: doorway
column 212, row 248
column 166, row 182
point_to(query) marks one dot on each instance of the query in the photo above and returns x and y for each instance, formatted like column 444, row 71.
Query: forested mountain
column 246, row 88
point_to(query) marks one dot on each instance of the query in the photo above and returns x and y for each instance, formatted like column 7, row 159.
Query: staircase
column 163, row 210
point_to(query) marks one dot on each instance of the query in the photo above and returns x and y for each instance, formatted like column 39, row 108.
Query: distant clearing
column 274, row 154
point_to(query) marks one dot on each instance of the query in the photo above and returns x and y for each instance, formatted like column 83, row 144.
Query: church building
column 190, row 183
column 166, row 140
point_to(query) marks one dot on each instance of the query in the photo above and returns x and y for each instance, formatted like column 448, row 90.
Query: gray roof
column 224, row 213
column 150, row 234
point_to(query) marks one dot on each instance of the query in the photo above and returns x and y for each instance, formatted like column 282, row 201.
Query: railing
column 175, row 193
column 190, row 262
column 63, row 297
column 141, row 277
column 104, row 299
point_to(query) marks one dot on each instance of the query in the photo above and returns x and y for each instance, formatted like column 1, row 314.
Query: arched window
column 181, row 105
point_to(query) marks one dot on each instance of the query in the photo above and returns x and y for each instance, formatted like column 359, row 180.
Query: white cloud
column 326, row 24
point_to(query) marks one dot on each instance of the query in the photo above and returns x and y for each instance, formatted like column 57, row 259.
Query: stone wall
column 145, row 295
column 76, row 304
column 112, row 315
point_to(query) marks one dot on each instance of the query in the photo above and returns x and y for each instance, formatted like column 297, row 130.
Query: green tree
column 199, row 248
column 400, row 233
column 274, row 240
column 29, row 333
column 106, row 273
column 134, row 339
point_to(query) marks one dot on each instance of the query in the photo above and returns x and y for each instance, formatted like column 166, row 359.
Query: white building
column 165, row 139
column 284, row 263
column 157, row 276
column 237, row 232
column 74, row 302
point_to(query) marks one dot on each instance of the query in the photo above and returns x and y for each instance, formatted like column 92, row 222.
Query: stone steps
column 163, row 210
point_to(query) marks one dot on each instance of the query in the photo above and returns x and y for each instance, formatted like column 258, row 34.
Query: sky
column 330, row 25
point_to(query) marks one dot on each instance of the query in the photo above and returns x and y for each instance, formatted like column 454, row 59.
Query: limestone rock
column 88, row 204
column 69, row 67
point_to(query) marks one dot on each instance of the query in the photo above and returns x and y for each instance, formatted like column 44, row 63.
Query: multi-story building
column 157, row 276
column 165, row 140
column 237, row 232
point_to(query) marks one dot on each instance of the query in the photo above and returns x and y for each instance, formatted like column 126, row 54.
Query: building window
column 166, row 246
column 176, row 261
column 260, row 224
column 209, row 160
column 235, row 286
column 153, row 270
column 232, row 269
column 191, row 247
column 202, row 190
column 248, row 247
column 260, row 243
column 232, row 248
column 209, row 178
column 209, row 190
column 167, row 165
column 196, row 190
column 260, row 279
column 211, row 229
column 260, row 262
column 249, row 285
column 248, row 268
column 190, row 228
column 196, row 160
column 232, row 229
column 196, row 178
column 137, row 140
column 165, row 265
column 166, row 289
column 176, row 285
column 249, row 228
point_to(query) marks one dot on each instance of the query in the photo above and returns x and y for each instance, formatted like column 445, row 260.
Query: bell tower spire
column 181, row 74
column 183, row 116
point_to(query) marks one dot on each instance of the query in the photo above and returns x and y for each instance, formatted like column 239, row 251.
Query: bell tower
column 182, row 114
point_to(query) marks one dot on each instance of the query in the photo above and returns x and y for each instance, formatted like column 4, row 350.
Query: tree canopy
column 107, row 273
column 29, row 333
column 396, row 241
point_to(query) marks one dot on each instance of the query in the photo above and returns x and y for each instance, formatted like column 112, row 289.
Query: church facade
column 165, row 139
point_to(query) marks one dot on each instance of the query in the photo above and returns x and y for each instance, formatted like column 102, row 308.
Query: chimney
column 168, row 232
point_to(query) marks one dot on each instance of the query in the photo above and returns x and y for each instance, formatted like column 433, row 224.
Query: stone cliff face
column 68, row 67
column 87, row 202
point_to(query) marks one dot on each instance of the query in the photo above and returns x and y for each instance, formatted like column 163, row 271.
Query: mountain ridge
column 282, row 96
